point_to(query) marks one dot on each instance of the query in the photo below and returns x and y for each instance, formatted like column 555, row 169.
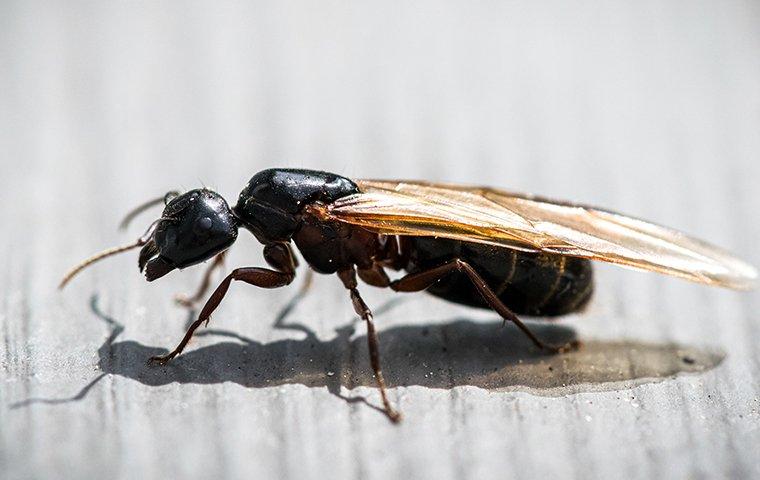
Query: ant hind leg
column 417, row 281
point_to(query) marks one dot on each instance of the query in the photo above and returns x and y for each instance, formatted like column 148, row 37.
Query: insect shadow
column 457, row 353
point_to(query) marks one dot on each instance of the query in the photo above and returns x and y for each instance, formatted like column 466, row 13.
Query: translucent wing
column 487, row 215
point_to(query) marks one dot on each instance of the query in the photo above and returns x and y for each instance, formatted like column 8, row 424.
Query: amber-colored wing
column 487, row 215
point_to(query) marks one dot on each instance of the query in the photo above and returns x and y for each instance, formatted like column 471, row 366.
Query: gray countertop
column 652, row 109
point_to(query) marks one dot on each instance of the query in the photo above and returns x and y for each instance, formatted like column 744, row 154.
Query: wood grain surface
column 650, row 108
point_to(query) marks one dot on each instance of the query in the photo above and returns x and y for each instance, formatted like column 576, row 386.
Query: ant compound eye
column 203, row 225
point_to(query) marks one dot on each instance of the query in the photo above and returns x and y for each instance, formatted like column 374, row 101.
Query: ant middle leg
column 348, row 277
column 417, row 281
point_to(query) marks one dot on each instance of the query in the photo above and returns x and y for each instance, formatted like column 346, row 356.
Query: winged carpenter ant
column 478, row 246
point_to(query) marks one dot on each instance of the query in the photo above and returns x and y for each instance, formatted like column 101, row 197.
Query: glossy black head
column 271, row 203
column 194, row 227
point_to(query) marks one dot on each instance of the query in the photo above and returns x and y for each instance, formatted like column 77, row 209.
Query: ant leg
column 260, row 277
column 415, row 282
column 349, row 280
column 190, row 301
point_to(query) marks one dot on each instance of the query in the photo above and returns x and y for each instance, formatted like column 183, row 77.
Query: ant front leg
column 348, row 277
column 276, row 255
column 417, row 281
column 189, row 301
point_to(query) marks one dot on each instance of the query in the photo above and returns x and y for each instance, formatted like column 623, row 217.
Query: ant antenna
column 108, row 253
column 145, row 206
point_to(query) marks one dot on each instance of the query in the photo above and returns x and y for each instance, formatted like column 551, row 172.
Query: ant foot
column 161, row 359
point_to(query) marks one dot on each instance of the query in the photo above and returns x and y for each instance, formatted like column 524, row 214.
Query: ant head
column 194, row 227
